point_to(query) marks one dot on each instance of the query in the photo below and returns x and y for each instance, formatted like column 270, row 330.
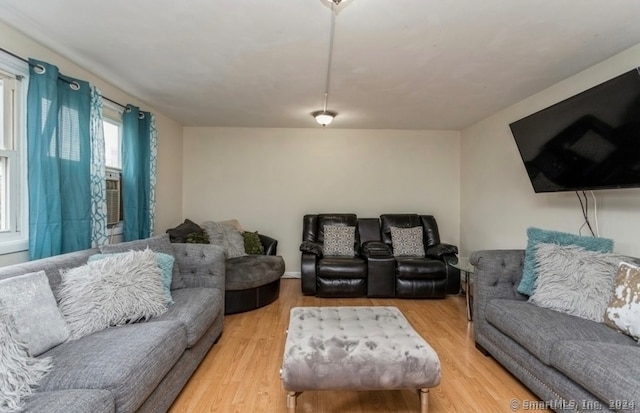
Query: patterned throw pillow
column 623, row 312
column 339, row 240
column 407, row 242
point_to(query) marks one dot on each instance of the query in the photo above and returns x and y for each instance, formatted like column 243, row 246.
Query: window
column 112, row 138
column 113, row 163
column 13, row 171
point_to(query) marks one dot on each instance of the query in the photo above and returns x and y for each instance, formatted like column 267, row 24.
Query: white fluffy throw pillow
column 574, row 280
column 113, row 291
column 19, row 373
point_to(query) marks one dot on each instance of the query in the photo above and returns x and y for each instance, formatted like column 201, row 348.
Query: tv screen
column 589, row 141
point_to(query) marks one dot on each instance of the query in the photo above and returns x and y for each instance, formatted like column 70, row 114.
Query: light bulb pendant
column 324, row 117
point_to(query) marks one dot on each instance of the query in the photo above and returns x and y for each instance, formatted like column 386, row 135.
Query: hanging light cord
column 331, row 35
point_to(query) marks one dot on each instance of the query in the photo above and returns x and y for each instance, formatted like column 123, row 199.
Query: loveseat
column 139, row 367
column 347, row 256
column 571, row 363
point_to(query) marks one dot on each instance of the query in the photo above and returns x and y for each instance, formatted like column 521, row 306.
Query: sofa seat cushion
column 76, row 401
column 609, row 371
column 538, row 329
column 129, row 361
column 196, row 309
column 252, row 271
column 420, row 268
column 342, row 267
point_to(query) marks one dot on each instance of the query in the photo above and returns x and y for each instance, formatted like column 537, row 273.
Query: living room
column 482, row 197
column 471, row 179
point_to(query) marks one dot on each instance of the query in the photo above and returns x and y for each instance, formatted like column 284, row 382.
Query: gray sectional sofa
column 571, row 363
column 139, row 367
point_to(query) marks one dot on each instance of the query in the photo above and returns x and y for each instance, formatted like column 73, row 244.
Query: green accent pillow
column 200, row 237
column 252, row 244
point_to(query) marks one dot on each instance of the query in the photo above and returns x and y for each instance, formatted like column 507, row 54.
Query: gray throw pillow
column 159, row 243
column 407, row 242
column 20, row 372
column 573, row 280
column 339, row 240
column 165, row 262
column 116, row 290
column 37, row 319
column 227, row 236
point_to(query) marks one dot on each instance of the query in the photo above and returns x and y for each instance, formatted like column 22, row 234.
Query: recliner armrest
column 438, row 250
column 376, row 249
column 312, row 248
column 270, row 244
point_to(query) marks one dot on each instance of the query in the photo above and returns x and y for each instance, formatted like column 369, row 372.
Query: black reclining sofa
column 374, row 266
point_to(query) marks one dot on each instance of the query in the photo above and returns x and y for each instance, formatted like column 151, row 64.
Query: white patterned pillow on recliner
column 339, row 240
column 407, row 242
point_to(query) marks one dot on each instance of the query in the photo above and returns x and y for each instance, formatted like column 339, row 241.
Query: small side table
column 466, row 269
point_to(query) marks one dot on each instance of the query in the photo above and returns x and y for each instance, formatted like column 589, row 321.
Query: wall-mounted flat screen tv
column 589, row 141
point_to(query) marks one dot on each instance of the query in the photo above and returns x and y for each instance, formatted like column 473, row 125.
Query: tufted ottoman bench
column 356, row 348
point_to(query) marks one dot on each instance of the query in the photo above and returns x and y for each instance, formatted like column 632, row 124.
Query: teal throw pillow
column 164, row 261
column 252, row 244
column 536, row 236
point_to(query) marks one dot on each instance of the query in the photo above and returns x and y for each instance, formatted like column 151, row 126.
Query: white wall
column 269, row 178
column 498, row 201
column 169, row 185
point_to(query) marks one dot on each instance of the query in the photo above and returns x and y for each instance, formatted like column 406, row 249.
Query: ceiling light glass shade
column 324, row 117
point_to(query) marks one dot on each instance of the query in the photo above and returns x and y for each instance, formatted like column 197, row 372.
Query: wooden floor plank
column 241, row 372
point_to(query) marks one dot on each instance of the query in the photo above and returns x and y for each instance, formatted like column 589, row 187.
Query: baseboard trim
column 291, row 274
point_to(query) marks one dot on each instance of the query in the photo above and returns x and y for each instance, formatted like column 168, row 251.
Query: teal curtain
column 58, row 151
column 138, row 173
column 97, row 173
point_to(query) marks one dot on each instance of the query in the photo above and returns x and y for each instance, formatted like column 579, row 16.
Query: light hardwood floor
column 241, row 372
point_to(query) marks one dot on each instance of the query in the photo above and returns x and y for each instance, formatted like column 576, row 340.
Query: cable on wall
column 584, row 206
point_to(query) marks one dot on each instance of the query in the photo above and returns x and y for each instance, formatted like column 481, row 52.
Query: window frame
column 108, row 117
column 113, row 114
column 16, row 238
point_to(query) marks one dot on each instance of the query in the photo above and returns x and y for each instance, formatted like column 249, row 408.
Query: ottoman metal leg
column 292, row 399
column 424, row 400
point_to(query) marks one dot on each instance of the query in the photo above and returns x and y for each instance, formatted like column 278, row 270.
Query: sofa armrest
column 270, row 244
column 201, row 265
column 438, row 250
column 496, row 275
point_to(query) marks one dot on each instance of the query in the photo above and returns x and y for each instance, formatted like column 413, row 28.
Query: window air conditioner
column 113, row 197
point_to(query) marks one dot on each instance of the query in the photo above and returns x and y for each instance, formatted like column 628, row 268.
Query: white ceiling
column 397, row 64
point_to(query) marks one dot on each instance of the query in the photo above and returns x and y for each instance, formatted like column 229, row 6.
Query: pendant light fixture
column 324, row 117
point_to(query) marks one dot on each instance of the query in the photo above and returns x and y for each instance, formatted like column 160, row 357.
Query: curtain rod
column 27, row 62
